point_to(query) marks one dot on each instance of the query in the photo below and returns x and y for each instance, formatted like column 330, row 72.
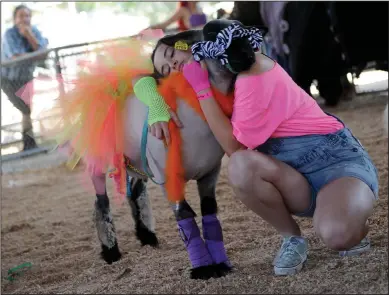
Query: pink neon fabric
column 271, row 104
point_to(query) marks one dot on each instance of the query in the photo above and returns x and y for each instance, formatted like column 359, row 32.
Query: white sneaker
column 291, row 257
column 363, row 246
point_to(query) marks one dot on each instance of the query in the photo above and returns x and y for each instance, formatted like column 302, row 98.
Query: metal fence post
column 58, row 71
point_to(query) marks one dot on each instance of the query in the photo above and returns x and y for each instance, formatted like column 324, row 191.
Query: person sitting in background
column 21, row 39
column 188, row 15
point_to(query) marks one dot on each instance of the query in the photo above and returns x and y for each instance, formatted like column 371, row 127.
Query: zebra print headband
column 216, row 50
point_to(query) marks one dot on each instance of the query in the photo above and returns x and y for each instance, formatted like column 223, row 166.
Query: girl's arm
column 175, row 17
column 217, row 120
column 220, row 124
column 145, row 89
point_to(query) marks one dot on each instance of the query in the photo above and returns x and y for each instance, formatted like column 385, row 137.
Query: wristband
column 205, row 95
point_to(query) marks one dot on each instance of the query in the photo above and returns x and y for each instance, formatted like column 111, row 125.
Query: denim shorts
column 324, row 158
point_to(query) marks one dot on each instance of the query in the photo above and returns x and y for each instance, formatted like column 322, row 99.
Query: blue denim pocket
column 308, row 154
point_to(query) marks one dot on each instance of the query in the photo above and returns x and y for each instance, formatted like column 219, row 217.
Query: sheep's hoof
column 146, row 237
column 110, row 255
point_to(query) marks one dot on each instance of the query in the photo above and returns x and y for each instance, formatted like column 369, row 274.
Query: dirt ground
column 47, row 220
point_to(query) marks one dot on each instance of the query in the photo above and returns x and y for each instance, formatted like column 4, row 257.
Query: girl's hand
column 160, row 129
column 197, row 76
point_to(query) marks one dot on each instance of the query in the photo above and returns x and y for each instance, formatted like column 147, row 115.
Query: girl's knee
column 342, row 210
column 338, row 235
column 240, row 168
column 246, row 165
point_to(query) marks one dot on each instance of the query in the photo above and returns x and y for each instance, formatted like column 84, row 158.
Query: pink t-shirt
column 271, row 104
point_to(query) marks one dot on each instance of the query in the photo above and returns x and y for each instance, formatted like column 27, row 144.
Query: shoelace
column 289, row 247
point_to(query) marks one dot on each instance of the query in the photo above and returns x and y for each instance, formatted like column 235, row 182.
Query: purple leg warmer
column 197, row 251
column 213, row 237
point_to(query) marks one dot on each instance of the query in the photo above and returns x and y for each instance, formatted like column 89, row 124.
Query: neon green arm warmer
column 146, row 91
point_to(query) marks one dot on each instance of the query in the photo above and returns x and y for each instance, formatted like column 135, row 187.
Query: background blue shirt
column 14, row 43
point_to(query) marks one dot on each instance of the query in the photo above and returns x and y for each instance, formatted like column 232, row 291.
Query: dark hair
column 190, row 37
column 19, row 7
column 215, row 69
column 241, row 55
